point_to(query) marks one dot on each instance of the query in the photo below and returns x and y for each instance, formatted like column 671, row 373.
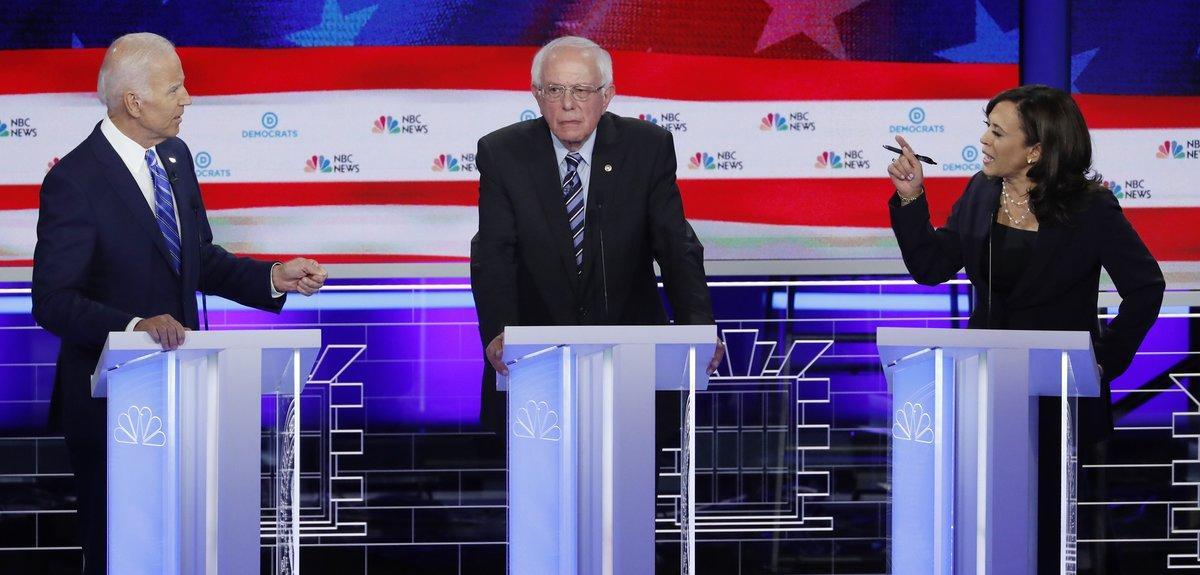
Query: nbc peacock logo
column 648, row 118
column 3, row 130
column 386, row 125
column 701, row 160
column 1170, row 149
column 773, row 121
column 1115, row 188
column 445, row 163
column 829, row 159
column 318, row 164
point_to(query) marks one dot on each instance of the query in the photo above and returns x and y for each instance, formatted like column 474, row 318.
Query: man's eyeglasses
column 580, row 92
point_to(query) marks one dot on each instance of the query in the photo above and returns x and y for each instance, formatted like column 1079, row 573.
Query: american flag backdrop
column 346, row 129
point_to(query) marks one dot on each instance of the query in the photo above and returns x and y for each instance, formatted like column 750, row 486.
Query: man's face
column 570, row 120
column 161, row 108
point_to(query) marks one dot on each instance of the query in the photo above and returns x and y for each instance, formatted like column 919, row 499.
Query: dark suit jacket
column 522, row 262
column 1060, row 286
column 101, row 260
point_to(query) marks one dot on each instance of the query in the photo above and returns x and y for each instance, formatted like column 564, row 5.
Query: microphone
column 204, row 297
column 991, row 222
column 598, row 222
column 172, row 177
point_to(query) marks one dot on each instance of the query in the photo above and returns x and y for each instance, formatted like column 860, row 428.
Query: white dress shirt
column 133, row 155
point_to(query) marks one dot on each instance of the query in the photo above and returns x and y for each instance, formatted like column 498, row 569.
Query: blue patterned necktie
column 164, row 210
column 573, row 197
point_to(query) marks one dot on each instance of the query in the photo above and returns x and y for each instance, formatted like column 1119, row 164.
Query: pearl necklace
column 1008, row 200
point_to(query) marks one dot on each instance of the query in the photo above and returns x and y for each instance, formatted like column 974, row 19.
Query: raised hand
column 906, row 172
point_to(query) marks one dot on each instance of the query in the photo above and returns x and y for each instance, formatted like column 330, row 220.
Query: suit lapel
column 124, row 186
column 183, row 205
column 544, row 173
column 601, row 184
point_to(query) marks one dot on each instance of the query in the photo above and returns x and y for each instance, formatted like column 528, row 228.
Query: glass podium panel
column 921, row 522
column 541, row 454
column 143, row 476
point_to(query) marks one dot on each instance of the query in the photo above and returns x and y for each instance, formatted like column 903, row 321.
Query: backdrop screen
column 346, row 130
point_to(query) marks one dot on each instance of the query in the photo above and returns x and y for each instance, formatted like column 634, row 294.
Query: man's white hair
column 126, row 66
column 599, row 55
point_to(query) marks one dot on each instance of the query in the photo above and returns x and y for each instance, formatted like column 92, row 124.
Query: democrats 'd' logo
column 1173, row 150
column 407, row 124
column 670, row 121
column 721, row 161
column 333, row 164
column 917, row 124
column 206, row 169
column 789, row 122
column 269, row 128
column 843, row 160
column 20, row 127
column 969, row 164
column 527, row 115
column 1129, row 190
column 453, row 163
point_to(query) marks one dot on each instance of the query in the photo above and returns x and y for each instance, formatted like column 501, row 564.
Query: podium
column 963, row 447
column 185, row 449
column 581, row 455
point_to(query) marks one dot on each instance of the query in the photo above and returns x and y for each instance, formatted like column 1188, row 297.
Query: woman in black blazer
column 1033, row 230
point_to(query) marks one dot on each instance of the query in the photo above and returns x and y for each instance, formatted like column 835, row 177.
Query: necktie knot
column 151, row 157
column 573, row 160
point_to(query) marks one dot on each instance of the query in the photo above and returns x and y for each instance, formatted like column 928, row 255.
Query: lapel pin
column 608, row 167
column 171, row 159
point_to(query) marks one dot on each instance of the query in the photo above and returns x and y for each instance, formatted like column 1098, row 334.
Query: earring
column 1028, row 160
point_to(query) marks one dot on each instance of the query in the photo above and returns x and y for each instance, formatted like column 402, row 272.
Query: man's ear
column 133, row 104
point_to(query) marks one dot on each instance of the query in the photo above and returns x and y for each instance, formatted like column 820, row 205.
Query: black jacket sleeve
column 1138, row 280
column 62, row 260
column 932, row 256
column 493, row 252
column 678, row 251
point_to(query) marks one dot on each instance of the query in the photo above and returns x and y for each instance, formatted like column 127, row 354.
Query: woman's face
column 1005, row 154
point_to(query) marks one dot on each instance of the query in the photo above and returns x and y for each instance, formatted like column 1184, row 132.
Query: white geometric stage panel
column 334, row 400
column 753, row 431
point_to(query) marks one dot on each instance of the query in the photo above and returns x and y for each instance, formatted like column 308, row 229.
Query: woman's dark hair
column 1063, row 177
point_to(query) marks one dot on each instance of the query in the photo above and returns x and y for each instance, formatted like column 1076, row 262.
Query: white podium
column 185, row 443
column 964, row 443
column 581, row 459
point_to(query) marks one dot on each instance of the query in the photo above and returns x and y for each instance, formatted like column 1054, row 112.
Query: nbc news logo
column 409, row 124
column 17, row 128
column 670, row 121
column 337, row 163
column 1173, row 150
column 453, row 163
column 721, row 161
column 791, row 122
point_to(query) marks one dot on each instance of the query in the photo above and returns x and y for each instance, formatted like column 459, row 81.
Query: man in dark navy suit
column 575, row 208
column 123, row 245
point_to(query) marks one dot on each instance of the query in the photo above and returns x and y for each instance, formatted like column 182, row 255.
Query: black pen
column 925, row 159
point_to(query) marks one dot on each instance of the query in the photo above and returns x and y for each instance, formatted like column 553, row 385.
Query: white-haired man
column 124, row 244
column 574, row 209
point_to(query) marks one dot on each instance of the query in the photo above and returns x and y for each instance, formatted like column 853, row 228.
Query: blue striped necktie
column 573, row 197
column 164, row 210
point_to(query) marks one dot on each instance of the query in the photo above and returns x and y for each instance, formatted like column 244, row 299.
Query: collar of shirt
column 130, row 152
column 561, row 151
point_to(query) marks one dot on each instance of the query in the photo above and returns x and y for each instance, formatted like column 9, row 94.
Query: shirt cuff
column 276, row 294
column 132, row 323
